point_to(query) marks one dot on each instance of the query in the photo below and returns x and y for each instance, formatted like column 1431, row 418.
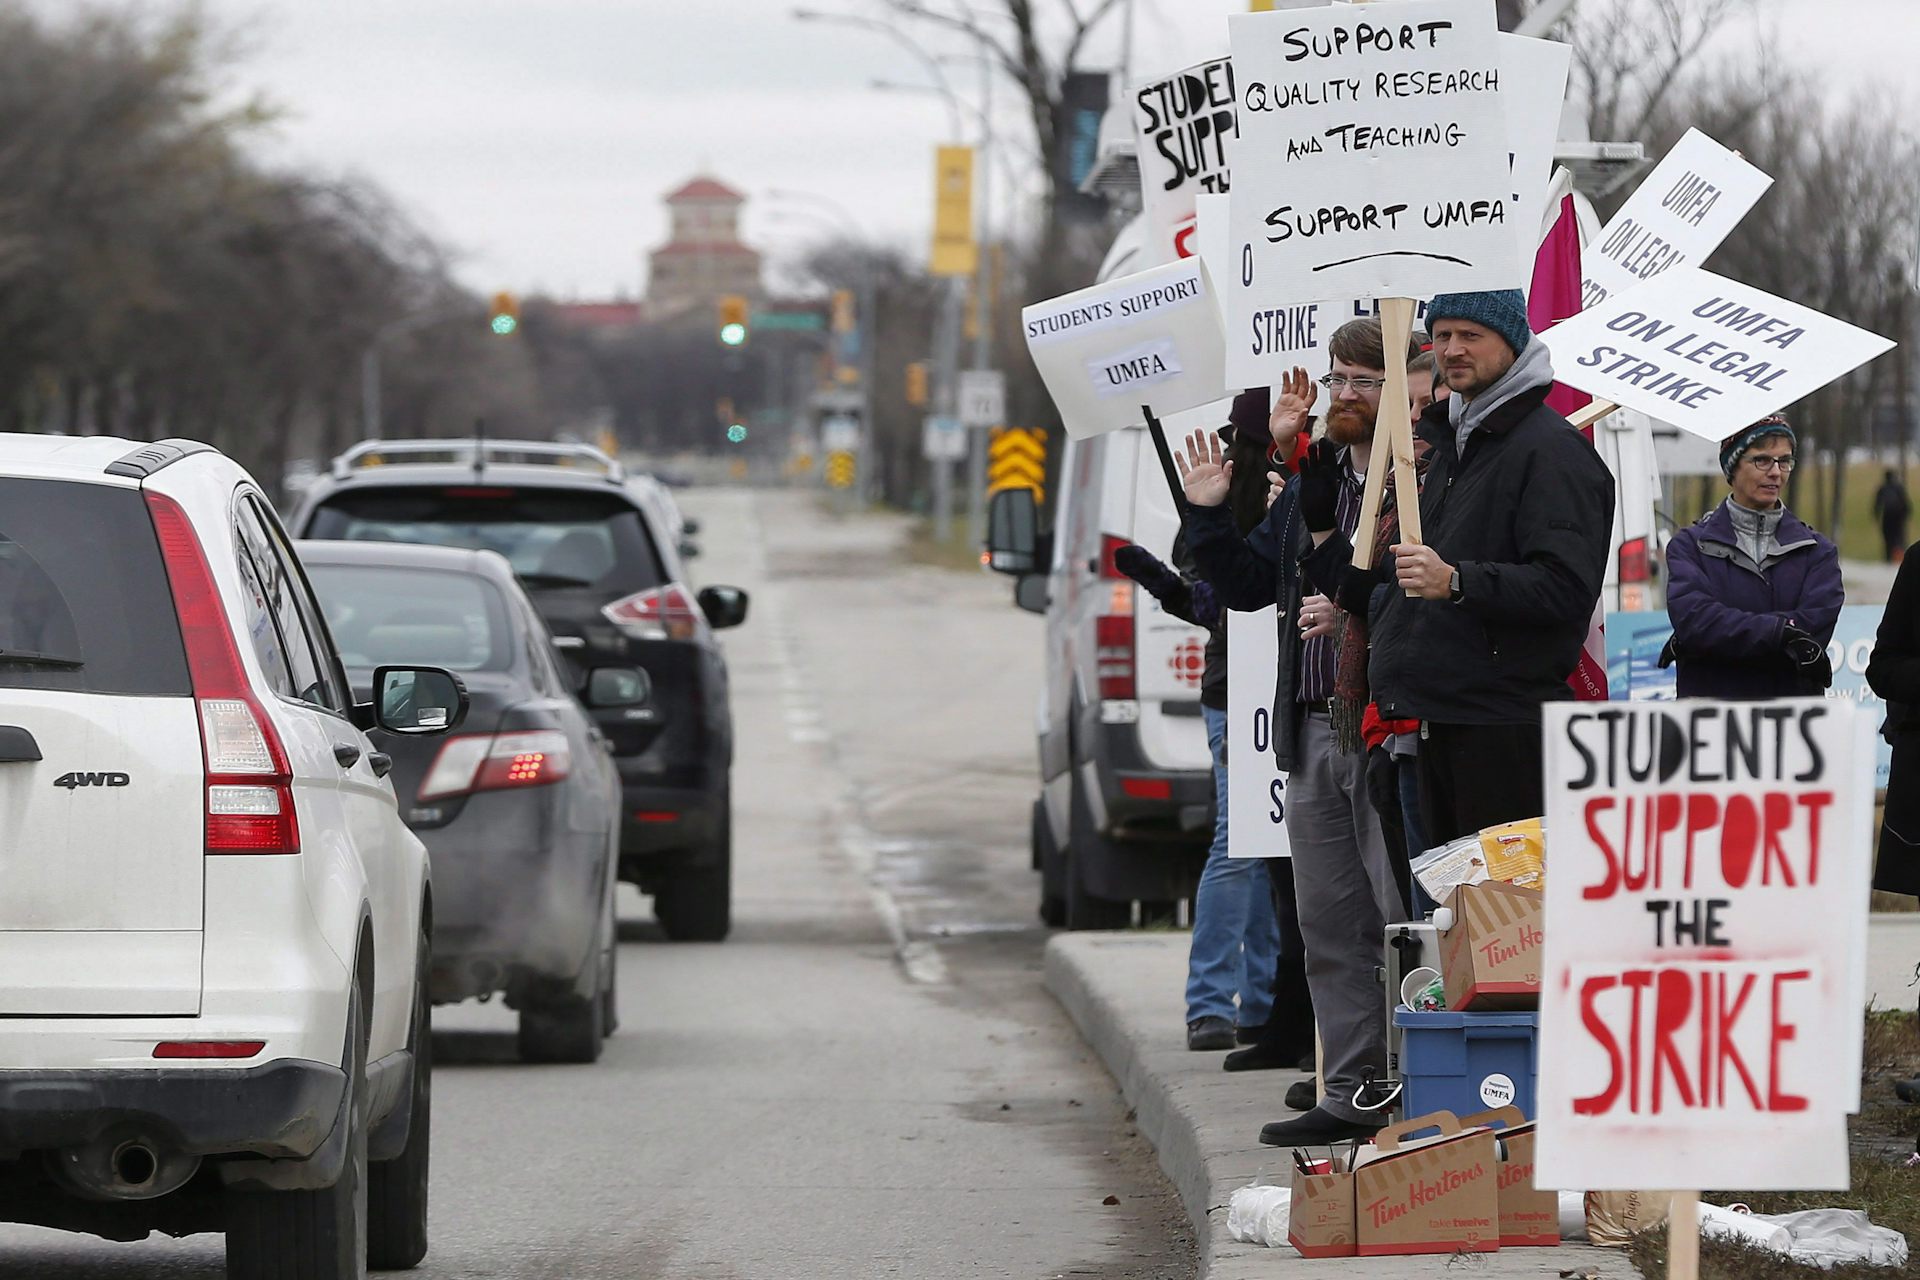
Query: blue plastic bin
column 1467, row 1062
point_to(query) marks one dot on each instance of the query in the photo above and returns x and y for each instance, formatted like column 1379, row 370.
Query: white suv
column 213, row 923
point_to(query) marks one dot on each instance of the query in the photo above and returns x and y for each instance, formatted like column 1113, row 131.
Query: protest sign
column 1150, row 339
column 1675, row 218
column 1704, row 353
column 1703, row 987
column 1533, row 89
column 1374, row 159
column 1256, row 789
column 1184, row 126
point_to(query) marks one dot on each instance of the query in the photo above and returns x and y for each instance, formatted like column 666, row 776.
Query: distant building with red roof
column 704, row 257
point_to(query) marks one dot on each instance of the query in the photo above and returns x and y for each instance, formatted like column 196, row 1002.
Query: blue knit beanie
column 1502, row 310
column 1745, row 438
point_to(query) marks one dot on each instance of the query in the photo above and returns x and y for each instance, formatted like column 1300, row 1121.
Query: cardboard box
column 1320, row 1221
column 1528, row 1217
column 1431, row 1195
column 1490, row 957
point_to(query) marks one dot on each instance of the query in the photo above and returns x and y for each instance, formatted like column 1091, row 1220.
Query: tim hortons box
column 1429, row 1195
column 1490, row 956
column 1528, row 1218
column 1320, row 1214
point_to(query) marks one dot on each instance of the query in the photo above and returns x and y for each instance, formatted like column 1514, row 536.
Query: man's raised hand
column 1291, row 408
column 1202, row 472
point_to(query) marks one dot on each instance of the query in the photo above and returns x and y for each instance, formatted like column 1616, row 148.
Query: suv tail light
column 664, row 613
column 249, row 785
column 498, row 762
column 1113, row 630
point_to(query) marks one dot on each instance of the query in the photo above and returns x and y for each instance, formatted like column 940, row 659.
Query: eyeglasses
column 1337, row 382
column 1783, row 465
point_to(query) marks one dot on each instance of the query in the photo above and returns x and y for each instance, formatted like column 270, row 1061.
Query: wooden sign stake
column 1392, row 447
column 1683, row 1236
column 1590, row 413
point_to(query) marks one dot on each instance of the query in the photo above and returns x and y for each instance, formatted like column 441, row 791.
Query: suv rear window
column 393, row 616
column 552, row 538
column 81, row 580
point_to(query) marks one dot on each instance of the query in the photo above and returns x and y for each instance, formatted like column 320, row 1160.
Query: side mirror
column 418, row 700
column 617, row 687
column 724, row 606
column 690, row 526
column 1014, row 544
column 688, row 548
column 1030, row 592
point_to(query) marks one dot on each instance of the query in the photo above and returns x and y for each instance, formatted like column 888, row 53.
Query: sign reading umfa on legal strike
column 1705, row 951
column 1705, row 353
column 1374, row 158
column 1150, row 339
column 1185, row 126
column 1676, row 217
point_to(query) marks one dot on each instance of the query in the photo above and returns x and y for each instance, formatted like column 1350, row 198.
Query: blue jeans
column 1235, row 934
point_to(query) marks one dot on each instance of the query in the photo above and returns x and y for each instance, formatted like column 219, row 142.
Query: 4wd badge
column 72, row 780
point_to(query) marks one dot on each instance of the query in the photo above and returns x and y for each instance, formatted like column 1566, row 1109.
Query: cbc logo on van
column 1188, row 662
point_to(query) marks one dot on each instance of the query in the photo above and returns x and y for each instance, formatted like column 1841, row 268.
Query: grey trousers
column 1347, row 897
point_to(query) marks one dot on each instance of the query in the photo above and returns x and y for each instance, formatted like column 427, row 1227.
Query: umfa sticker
column 1497, row 1090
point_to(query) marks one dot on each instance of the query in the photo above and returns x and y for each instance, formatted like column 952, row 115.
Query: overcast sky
column 537, row 136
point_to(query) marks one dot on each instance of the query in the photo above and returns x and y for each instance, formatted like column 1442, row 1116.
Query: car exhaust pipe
column 122, row 1167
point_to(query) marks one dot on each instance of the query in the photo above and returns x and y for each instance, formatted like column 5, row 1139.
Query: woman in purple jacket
column 1754, row 594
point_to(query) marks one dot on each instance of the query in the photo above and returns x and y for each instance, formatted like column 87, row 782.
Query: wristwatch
column 1454, row 593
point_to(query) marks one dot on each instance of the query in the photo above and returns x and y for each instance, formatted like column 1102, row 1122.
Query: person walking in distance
column 1485, row 619
column 1754, row 594
column 1342, row 875
column 1892, row 507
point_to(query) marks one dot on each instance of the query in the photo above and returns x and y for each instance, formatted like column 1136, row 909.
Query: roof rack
column 479, row 454
column 149, row 458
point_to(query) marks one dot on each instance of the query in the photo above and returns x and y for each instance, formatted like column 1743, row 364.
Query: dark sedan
column 520, row 810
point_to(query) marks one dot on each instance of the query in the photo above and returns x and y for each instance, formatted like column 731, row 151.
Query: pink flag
column 1555, row 296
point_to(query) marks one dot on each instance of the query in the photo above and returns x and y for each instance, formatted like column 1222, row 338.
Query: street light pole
column 983, row 316
column 370, row 408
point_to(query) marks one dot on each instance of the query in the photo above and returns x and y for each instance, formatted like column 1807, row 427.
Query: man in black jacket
column 1517, row 512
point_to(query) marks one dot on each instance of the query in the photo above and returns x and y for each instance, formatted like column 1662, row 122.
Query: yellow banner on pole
column 954, row 250
column 1260, row 6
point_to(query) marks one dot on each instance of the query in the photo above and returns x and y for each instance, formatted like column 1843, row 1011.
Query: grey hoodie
column 1533, row 368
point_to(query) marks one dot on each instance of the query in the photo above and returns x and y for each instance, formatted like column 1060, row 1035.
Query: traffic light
column 917, row 384
column 733, row 320
column 505, row 319
column 737, row 433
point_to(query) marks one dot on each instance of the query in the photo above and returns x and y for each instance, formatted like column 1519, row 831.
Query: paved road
column 867, row 1079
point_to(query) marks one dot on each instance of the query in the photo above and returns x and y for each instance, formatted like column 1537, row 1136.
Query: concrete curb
column 1123, row 991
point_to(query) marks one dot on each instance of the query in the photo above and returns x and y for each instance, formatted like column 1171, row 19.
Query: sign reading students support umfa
column 1706, row 912
column 1151, row 339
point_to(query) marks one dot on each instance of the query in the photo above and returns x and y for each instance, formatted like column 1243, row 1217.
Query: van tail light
column 498, row 762
column 1113, row 656
column 664, row 613
column 1109, row 544
column 249, row 785
column 1634, row 566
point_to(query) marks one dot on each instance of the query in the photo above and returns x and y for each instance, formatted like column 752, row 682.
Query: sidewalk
column 1123, row 992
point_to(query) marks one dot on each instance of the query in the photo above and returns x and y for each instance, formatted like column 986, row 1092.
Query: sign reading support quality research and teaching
column 1676, row 217
column 1705, row 353
column 1147, row 339
column 1705, row 953
column 1185, row 128
column 1256, row 789
column 1374, row 158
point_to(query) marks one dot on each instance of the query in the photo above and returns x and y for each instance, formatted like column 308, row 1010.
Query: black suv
column 596, row 551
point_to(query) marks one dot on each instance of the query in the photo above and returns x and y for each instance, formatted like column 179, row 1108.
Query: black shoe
column 1258, row 1058
column 1303, row 1095
column 1309, row 1063
column 1317, row 1128
column 1250, row 1035
column 1209, row 1033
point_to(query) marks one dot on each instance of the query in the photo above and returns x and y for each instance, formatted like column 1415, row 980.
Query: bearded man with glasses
column 1754, row 594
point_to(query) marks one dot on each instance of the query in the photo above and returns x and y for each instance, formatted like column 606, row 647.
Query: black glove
column 1148, row 570
column 1319, row 485
column 1383, row 781
column 1802, row 649
column 1356, row 591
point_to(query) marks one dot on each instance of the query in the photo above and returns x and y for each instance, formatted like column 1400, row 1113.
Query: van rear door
column 101, row 781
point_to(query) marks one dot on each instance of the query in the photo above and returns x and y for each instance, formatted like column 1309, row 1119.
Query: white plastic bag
column 1827, row 1237
column 1258, row 1215
column 1716, row 1222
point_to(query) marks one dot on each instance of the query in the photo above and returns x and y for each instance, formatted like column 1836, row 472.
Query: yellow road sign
column 954, row 250
column 839, row 470
column 1017, row 459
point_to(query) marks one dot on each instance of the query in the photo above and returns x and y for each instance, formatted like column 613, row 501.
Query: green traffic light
column 736, row 433
column 504, row 325
column 733, row 334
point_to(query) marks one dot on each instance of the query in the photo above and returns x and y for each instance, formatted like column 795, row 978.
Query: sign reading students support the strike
column 1677, row 216
column 1705, row 967
column 1147, row 339
column 1186, row 126
column 1705, row 353
column 1374, row 160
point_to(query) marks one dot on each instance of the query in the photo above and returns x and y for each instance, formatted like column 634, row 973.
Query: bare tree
column 1630, row 55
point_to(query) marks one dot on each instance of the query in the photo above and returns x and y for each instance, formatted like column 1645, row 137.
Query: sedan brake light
column 498, row 762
